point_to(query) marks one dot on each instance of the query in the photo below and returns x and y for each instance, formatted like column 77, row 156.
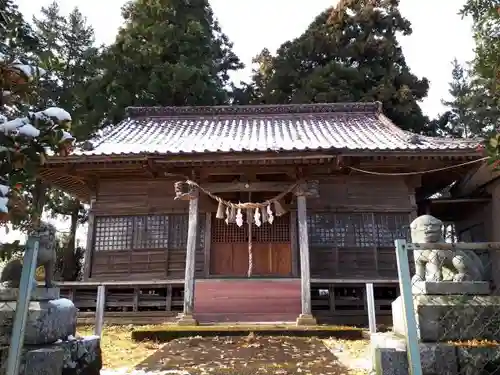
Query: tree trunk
column 69, row 266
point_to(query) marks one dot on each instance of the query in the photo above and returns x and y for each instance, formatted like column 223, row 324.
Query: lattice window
column 178, row 230
column 278, row 231
column 356, row 229
column 322, row 229
column 390, row 227
column 113, row 233
column 228, row 233
column 145, row 232
column 151, row 232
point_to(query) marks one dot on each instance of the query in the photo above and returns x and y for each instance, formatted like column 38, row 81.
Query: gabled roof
column 329, row 126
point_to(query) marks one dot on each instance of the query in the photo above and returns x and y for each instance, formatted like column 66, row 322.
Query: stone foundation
column 390, row 357
column 445, row 312
column 442, row 318
column 50, row 346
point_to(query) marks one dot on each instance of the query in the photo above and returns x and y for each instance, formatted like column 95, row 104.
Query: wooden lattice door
column 271, row 249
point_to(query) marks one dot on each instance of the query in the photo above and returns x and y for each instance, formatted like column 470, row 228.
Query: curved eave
column 67, row 183
column 455, row 153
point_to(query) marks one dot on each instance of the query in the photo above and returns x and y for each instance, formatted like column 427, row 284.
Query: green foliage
column 462, row 119
column 349, row 53
column 485, row 73
column 486, row 26
column 168, row 52
column 67, row 50
column 16, row 35
column 22, row 153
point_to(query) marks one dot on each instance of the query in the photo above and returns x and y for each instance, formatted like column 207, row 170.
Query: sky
column 439, row 34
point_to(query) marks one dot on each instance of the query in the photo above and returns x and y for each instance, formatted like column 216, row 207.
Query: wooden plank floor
column 247, row 300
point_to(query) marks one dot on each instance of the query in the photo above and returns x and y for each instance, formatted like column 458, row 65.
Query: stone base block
column 390, row 356
column 37, row 294
column 478, row 360
column 81, row 356
column 48, row 321
column 452, row 317
column 186, row 320
column 37, row 361
column 443, row 288
column 306, row 320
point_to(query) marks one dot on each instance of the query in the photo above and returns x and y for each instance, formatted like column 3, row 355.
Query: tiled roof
column 339, row 126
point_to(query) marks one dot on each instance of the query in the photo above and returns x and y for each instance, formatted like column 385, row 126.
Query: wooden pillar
column 90, row 243
column 186, row 317
column 494, row 230
column 306, row 317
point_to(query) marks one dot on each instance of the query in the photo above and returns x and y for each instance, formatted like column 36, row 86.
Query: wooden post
column 186, row 317
column 90, row 242
column 99, row 310
column 306, row 317
column 208, row 240
column 370, row 301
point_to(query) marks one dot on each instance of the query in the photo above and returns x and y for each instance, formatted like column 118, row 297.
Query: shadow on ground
column 252, row 355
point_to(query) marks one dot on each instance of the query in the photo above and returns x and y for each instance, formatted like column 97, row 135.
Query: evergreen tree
column 485, row 16
column 67, row 50
column 16, row 36
column 486, row 27
column 349, row 53
column 168, row 52
column 461, row 120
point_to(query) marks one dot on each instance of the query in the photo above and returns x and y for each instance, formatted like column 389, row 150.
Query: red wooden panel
column 247, row 300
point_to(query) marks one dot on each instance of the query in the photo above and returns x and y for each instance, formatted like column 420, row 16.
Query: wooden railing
column 346, row 301
column 125, row 302
column 354, row 301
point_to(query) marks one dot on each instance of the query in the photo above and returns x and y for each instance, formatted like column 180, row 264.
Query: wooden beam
column 309, row 188
column 293, row 243
column 118, row 283
column 208, row 243
column 90, row 242
column 305, row 317
column 249, row 187
column 187, row 317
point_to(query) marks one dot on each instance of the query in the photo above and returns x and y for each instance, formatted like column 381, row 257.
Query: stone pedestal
column 446, row 288
column 186, row 320
column 50, row 346
column 48, row 320
column 306, row 320
column 448, row 316
column 72, row 357
column 81, row 356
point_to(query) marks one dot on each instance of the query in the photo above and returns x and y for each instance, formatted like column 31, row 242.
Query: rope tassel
column 220, row 211
column 239, row 218
column 256, row 217
column 279, row 209
column 270, row 217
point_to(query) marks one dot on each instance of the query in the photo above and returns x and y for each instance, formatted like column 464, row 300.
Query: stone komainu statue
column 11, row 273
column 442, row 265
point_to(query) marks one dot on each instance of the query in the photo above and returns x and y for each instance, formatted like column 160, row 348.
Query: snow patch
column 56, row 112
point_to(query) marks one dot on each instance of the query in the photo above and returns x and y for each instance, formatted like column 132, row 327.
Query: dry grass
column 476, row 343
column 252, row 354
column 118, row 348
column 354, row 354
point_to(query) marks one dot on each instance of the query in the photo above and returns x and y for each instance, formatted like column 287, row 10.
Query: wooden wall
column 362, row 203
column 117, row 198
column 353, row 225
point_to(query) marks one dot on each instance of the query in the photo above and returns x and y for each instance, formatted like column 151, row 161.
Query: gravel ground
column 254, row 355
